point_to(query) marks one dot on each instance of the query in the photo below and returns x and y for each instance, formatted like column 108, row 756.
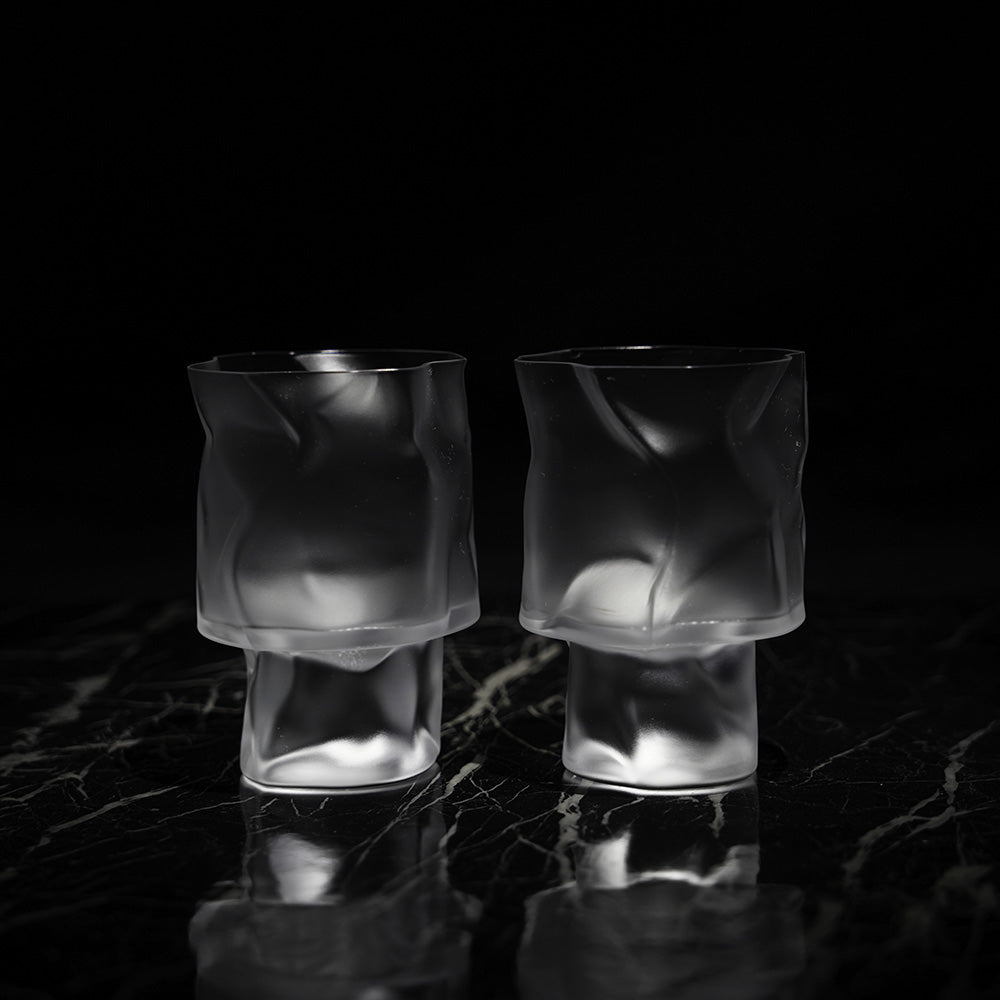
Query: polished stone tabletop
column 861, row 858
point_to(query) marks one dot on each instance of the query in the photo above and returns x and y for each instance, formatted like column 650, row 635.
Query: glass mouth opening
column 662, row 356
column 326, row 360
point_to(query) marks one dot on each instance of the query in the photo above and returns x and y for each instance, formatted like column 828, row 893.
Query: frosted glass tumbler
column 663, row 535
column 335, row 548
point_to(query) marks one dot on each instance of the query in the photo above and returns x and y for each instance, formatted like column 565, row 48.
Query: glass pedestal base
column 341, row 718
column 675, row 717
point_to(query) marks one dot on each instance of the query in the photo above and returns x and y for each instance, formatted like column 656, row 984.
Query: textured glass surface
column 335, row 499
column 335, row 548
column 663, row 519
column 663, row 500
column 682, row 715
column 344, row 717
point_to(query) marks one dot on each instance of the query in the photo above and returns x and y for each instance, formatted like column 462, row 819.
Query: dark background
column 494, row 180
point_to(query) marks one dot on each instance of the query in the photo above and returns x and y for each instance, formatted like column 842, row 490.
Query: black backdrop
column 494, row 180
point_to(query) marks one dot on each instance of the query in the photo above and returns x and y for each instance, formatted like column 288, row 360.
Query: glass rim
column 616, row 356
column 396, row 359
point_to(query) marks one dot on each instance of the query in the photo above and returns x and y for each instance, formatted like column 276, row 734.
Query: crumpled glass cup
column 663, row 535
column 335, row 547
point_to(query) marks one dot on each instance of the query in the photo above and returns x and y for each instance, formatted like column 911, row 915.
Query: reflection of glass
column 664, row 903
column 335, row 548
column 663, row 535
column 346, row 896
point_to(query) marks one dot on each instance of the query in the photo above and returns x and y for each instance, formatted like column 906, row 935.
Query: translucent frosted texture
column 663, row 500
column 335, row 548
column 676, row 717
column 342, row 718
column 663, row 535
column 335, row 500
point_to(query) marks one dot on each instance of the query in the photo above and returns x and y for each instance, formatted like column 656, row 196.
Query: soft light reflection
column 623, row 593
column 303, row 871
column 663, row 901
column 344, row 895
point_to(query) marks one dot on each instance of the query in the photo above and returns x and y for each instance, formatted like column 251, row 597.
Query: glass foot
column 341, row 718
column 675, row 717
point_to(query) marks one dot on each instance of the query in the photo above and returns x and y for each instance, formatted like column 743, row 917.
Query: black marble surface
column 862, row 857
